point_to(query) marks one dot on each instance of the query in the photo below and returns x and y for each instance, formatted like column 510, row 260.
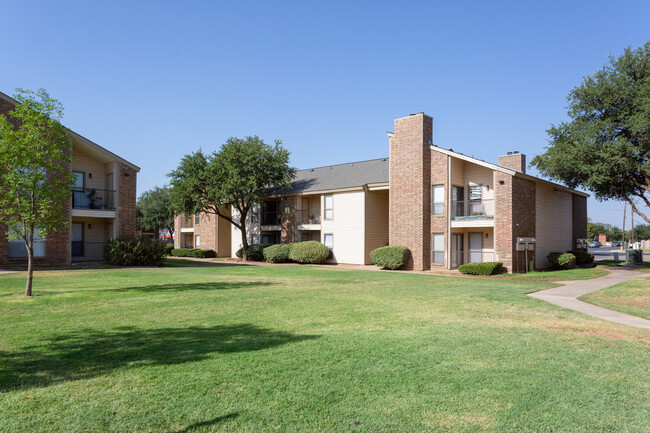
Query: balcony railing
column 307, row 217
column 92, row 198
column 476, row 256
column 271, row 219
column 472, row 209
column 88, row 251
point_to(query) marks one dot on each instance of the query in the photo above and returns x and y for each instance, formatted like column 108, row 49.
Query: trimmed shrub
column 312, row 252
column 183, row 252
column 254, row 252
column 169, row 248
column 135, row 252
column 562, row 260
column 582, row 258
column 390, row 257
column 204, row 254
column 484, row 268
column 278, row 253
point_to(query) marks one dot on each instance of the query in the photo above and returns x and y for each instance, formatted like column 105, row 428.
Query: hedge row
column 390, row 257
column 483, row 268
column 311, row 252
column 135, row 252
column 193, row 252
column 582, row 258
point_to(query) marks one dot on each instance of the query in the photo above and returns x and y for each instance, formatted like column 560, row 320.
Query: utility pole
column 624, row 210
column 632, row 216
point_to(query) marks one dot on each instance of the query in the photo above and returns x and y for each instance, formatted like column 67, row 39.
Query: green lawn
column 300, row 349
column 567, row 274
column 630, row 297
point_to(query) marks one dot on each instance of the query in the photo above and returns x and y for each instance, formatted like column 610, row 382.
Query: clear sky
column 152, row 81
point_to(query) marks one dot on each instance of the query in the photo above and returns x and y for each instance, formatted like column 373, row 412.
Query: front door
column 77, row 239
column 457, row 250
column 475, row 247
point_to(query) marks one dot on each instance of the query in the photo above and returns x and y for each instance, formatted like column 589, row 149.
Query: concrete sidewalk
column 566, row 296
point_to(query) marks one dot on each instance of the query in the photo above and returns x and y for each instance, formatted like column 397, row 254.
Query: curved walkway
column 567, row 295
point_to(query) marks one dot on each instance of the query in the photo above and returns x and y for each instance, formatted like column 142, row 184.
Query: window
column 475, row 192
column 329, row 207
column 438, row 199
column 438, row 248
column 329, row 241
column 17, row 248
column 255, row 215
column 197, row 218
column 197, row 241
column 256, row 239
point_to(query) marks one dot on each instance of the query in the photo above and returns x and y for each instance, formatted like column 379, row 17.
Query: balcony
column 305, row 217
column 476, row 213
column 186, row 224
column 271, row 219
column 92, row 198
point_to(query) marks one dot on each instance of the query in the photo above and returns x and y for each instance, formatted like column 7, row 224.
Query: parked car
column 594, row 244
column 617, row 244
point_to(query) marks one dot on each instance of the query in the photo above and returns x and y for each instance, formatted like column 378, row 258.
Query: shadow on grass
column 186, row 263
column 212, row 421
column 87, row 354
column 171, row 287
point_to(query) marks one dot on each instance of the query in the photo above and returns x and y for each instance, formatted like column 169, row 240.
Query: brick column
column 410, row 188
column 524, row 217
column 503, row 219
column 288, row 232
column 127, row 181
column 579, row 218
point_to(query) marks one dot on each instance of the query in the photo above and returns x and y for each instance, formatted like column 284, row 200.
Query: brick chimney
column 514, row 160
column 410, row 188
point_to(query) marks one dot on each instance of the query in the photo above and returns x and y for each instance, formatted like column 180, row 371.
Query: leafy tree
column 615, row 234
column 594, row 230
column 240, row 174
column 35, row 155
column 605, row 146
column 154, row 210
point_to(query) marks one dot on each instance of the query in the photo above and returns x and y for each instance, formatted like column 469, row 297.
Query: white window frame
column 476, row 194
column 328, row 210
column 437, row 207
column 437, row 253
column 331, row 235
column 197, row 218
column 197, row 241
column 255, row 239
column 255, row 214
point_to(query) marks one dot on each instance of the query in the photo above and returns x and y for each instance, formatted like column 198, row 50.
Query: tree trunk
column 30, row 271
column 244, row 242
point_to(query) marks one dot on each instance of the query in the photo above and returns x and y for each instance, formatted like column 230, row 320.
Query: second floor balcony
column 271, row 218
column 93, row 198
column 307, row 217
column 472, row 210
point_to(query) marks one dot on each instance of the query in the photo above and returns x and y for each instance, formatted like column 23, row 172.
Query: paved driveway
column 607, row 253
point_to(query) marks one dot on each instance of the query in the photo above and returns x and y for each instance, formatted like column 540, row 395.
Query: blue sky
column 155, row 80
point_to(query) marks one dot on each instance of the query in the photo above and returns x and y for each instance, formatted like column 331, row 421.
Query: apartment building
column 101, row 207
column 446, row 207
column 205, row 231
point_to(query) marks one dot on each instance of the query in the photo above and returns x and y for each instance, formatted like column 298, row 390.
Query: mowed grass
column 566, row 274
column 303, row 349
column 630, row 297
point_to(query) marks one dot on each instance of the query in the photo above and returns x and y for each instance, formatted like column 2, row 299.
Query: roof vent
column 509, row 153
column 515, row 152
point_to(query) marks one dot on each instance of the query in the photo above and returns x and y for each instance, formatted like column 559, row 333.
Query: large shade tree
column 35, row 178
column 238, row 176
column 154, row 210
column 605, row 147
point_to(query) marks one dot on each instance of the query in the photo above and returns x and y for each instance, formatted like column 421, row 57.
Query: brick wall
column 503, row 219
column 206, row 229
column 579, row 218
column 127, row 198
column 439, row 176
column 288, row 231
column 524, row 217
column 410, row 188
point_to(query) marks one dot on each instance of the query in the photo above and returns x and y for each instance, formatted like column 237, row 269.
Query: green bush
column 183, row 252
column 582, row 258
column 390, row 257
column 254, row 252
column 169, row 248
column 204, row 254
column 135, row 252
column 562, row 260
column 484, row 268
column 308, row 252
column 278, row 253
